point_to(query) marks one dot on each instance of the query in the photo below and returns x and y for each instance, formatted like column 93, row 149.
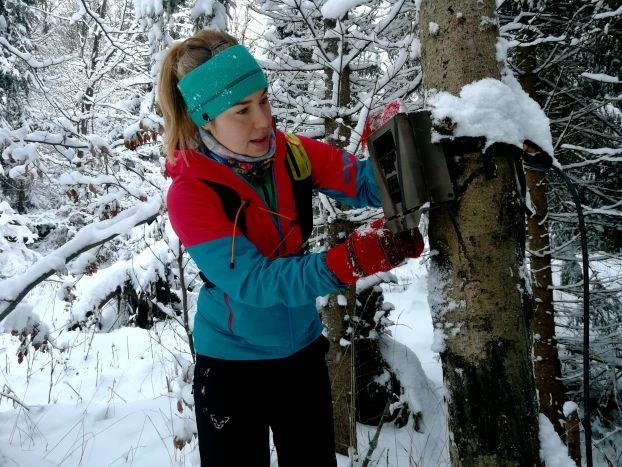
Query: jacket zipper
column 275, row 219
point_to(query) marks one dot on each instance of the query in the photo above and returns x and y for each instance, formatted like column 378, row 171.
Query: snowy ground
column 112, row 398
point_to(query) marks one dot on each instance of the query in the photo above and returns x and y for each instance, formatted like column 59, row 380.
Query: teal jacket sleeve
column 258, row 281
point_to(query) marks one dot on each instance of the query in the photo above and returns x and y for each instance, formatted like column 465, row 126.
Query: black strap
column 303, row 194
column 302, row 197
column 230, row 202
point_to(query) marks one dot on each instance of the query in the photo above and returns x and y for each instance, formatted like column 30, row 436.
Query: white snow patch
column 498, row 110
column 438, row 344
column 601, row 77
column 202, row 7
column 552, row 450
column 145, row 8
column 569, row 408
column 335, row 9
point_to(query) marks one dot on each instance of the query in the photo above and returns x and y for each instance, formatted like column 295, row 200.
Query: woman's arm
column 340, row 175
column 198, row 219
column 257, row 281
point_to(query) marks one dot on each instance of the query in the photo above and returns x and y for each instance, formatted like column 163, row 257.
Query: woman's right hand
column 372, row 248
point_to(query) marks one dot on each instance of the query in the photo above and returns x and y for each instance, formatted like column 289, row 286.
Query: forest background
column 90, row 269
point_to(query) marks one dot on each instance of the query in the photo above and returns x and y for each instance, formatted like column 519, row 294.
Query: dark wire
column 587, row 424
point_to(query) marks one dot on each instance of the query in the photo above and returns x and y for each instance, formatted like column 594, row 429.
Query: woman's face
column 245, row 128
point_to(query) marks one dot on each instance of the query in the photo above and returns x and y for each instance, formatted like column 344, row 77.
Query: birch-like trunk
column 475, row 278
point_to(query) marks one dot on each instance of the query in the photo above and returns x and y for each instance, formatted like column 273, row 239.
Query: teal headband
column 221, row 82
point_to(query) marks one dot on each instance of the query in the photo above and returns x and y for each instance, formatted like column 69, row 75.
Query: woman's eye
column 242, row 111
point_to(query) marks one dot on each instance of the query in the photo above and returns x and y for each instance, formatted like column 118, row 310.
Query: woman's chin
column 257, row 149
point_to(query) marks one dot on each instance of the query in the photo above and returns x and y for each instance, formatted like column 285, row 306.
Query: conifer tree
column 14, row 30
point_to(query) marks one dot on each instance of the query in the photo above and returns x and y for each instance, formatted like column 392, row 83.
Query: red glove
column 370, row 249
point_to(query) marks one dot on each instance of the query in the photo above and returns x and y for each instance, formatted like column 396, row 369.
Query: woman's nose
column 263, row 117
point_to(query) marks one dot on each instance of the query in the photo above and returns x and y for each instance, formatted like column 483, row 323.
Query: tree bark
column 340, row 358
column 475, row 276
column 463, row 49
column 573, row 437
column 547, row 367
column 340, row 361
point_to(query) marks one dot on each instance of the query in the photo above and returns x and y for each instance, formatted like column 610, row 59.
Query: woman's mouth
column 260, row 140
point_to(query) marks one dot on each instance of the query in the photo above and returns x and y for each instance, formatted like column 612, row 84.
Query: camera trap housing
column 410, row 170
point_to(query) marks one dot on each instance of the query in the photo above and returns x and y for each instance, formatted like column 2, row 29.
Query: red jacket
column 265, row 306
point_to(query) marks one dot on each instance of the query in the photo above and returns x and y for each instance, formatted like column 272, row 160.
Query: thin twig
column 14, row 399
column 374, row 442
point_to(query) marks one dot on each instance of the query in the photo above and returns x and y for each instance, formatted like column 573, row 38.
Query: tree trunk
column 573, row 437
column 340, row 358
column 475, row 292
column 87, row 99
column 547, row 367
column 337, row 133
column 463, row 49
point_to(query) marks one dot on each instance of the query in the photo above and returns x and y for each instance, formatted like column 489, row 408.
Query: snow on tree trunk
column 478, row 251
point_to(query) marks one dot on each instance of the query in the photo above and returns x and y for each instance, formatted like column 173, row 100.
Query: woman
column 235, row 206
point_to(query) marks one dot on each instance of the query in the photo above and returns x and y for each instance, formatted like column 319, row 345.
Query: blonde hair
column 180, row 132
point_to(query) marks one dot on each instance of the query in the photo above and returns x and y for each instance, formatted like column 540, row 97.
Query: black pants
column 237, row 402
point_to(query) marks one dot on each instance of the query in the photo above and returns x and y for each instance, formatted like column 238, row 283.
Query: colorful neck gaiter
column 247, row 166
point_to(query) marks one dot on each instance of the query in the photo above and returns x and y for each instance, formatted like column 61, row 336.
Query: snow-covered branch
column 16, row 401
column 30, row 60
column 609, row 14
column 107, row 31
column 55, row 140
column 540, row 40
column 605, row 155
column 14, row 289
column 601, row 77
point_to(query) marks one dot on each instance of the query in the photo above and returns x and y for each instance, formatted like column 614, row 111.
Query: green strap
column 297, row 161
